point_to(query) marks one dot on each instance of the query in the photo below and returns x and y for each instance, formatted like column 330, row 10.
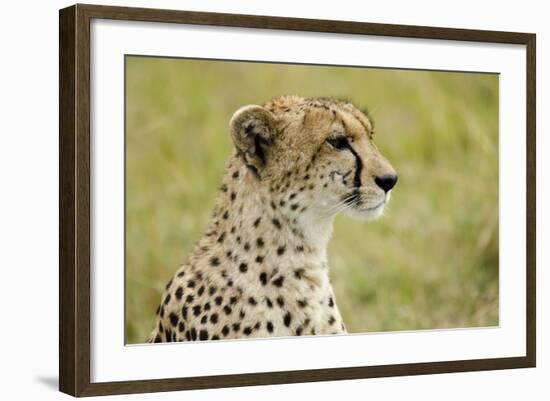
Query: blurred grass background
column 430, row 262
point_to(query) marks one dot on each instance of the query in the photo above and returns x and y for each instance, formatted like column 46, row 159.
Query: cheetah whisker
column 339, row 207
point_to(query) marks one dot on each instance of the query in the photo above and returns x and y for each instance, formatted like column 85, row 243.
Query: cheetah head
column 314, row 155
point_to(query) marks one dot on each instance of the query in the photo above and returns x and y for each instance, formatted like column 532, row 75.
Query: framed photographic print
column 251, row 200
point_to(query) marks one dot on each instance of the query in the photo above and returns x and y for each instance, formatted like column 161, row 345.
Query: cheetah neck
column 252, row 223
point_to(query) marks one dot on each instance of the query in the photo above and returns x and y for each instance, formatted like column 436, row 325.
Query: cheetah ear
column 252, row 128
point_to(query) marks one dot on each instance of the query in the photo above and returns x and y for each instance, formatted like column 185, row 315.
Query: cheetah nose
column 386, row 182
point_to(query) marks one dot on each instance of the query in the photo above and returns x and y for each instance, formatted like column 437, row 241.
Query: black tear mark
column 358, row 164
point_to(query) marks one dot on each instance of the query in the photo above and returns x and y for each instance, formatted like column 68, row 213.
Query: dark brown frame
column 74, row 199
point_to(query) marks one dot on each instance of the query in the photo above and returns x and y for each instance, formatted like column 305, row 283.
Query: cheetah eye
column 338, row 142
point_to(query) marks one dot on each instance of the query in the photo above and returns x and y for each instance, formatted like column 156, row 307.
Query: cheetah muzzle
column 260, row 270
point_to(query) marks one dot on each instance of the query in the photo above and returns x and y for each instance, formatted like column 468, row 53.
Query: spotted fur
column 261, row 268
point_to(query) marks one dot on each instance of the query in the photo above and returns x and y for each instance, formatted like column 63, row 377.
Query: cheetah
column 260, row 270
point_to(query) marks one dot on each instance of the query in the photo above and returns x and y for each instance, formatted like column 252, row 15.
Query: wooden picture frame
column 74, row 199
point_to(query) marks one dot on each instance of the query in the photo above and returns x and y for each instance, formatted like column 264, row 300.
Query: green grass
column 430, row 262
